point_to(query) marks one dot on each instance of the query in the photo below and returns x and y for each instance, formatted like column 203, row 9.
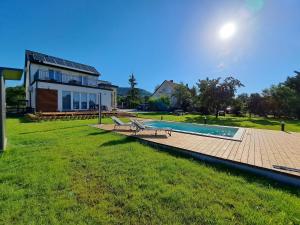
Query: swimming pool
column 233, row 133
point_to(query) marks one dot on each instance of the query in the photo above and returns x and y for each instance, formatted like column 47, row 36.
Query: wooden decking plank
column 246, row 147
column 224, row 149
column 262, row 148
column 251, row 150
column 264, row 157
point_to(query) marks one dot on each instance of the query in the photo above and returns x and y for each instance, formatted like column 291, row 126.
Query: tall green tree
column 183, row 97
column 257, row 105
column 216, row 94
column 293, row 82
column 240, row 104
column 280, row 100
column 133, row 95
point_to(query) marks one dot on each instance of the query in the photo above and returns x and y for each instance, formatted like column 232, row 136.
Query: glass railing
column 64, row 78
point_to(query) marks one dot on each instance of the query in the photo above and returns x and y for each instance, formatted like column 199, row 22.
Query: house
column 54, row 84
column 167, row 88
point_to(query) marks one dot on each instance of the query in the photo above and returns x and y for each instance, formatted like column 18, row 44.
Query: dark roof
column 44, row 59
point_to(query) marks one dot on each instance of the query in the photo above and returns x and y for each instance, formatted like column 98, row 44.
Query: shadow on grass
column 264, row 122
column 99, row 132
column 250, row 177
column 125, row 140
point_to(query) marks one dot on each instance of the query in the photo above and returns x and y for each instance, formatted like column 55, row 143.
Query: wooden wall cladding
column 46, row 100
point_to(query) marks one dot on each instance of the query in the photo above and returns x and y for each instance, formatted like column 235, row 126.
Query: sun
column 227, row 31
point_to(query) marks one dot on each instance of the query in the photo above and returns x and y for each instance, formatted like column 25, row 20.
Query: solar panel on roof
column 38, row 57
column 60, row 62
column 78, row 66
column 68, row 63
column 49, row 59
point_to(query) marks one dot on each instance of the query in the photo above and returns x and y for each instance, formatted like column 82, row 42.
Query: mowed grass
column 66, row 172
column 229, row 120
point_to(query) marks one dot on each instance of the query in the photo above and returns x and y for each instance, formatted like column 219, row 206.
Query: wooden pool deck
column 262, row 150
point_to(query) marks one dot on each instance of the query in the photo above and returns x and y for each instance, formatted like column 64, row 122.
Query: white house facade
column 167, row 88
column 54, row 84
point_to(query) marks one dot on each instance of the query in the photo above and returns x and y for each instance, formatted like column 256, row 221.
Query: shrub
column 159, row 104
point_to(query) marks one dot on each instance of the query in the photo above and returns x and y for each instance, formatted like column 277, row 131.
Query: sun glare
column 227, row 31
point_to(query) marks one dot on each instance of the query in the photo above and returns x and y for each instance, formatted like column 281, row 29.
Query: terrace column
column 5, row 74
column 2, row 114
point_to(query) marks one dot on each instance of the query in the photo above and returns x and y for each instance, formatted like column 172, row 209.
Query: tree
column 279, row 100
column 14, row 95
column 216, row 95
column 133, row 95
column 183, row 97
column 256, row 105
column 244, row 100
column 294, row 84
column 194, row 97
column 240, row 104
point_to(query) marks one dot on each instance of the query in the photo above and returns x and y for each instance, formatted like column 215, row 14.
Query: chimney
column 171, row 81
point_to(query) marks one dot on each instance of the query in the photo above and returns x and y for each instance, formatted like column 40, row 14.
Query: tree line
column 209, row 96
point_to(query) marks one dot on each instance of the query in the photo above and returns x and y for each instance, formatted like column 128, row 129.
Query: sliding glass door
column 66, row 100
column 76, row 100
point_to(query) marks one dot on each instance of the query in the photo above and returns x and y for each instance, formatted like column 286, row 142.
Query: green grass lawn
column 66, row 172
column 254, row 122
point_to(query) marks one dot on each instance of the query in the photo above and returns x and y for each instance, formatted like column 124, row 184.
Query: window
column 66, row 100
column 85, row 80
column 92, row 101
column 51, row 75
column 76, row 100
column 58, row 76
column 83, row 101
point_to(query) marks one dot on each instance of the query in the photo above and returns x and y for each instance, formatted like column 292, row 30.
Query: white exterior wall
column 106, row 94
column 166, row 89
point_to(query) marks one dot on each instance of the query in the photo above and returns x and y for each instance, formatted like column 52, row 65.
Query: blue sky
column 158, row 39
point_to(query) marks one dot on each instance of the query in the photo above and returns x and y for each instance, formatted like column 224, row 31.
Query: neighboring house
column 54, row 84
column 167, row 88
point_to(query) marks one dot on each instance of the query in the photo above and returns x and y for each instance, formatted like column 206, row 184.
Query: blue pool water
column 195, row 128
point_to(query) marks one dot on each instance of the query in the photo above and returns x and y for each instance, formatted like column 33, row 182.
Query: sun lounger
column 119, row 123
column 140, row 127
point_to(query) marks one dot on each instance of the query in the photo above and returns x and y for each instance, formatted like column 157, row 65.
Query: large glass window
column 66, row 100
column 85, row 80
column 51, row 75
column 92, row 101
column 83, row 101
column 76, row 100
column 58, row 76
